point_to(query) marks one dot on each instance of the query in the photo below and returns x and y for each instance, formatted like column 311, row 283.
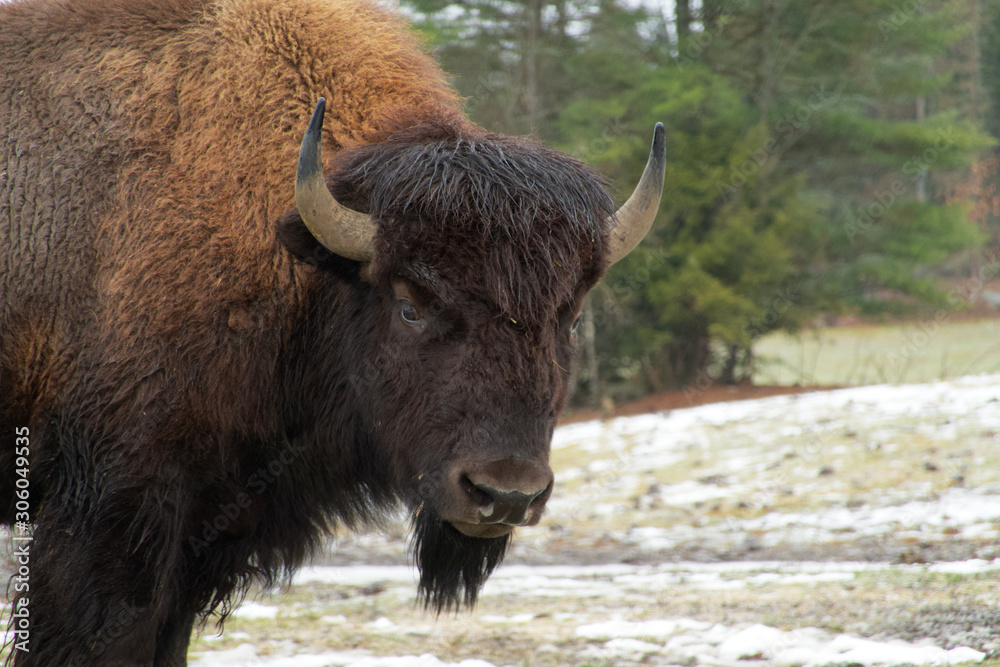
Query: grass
column 905, row 603
column 866, row 354
column 772, row 460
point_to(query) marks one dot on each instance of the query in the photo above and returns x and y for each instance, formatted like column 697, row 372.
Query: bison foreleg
column 105, row 566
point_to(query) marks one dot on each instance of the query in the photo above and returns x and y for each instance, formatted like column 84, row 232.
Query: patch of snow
column 691, row 492
column 246, row 655
column 517, row 618
column 357, row 575
column 688, row 640
column 255, row 610
column 583, row 581
column 752, row 643
column 382, row 624
column 973, row 566
column 659, row 629
column 337, row 619
column 622, row 649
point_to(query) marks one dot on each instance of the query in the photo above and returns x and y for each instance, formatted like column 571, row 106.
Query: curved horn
column 341, row 230
column 633, row 220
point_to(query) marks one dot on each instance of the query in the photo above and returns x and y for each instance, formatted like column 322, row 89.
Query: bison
column 216, row 346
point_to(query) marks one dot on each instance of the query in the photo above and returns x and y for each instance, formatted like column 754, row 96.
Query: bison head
column 475, row 252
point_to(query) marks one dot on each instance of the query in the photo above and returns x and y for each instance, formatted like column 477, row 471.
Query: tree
column 850, row 93
column 720, row 268
column 814, row 154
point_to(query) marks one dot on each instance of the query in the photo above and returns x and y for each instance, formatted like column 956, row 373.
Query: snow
column 246, row 655
column 661, row 629
column 971, row 566
column 581, row 581
column 255, row 610
column 681, row 641
column 359, row 575
column 519, row 618
column 974, row 397
column 759, row 452
column 741, row 443
column 688, row 640
column 958, row 508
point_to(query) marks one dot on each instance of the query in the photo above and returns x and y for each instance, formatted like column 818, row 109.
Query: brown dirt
column 675, row 400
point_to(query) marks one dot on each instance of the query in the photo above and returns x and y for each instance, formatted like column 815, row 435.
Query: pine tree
column 814, row 155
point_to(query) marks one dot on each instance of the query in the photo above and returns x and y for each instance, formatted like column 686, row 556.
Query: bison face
column 462, row 402
column 474, row 253
column 483, row 464
column 471, row 405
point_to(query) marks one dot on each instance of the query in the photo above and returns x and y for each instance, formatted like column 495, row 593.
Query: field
column 859, row 526
column 864, row 354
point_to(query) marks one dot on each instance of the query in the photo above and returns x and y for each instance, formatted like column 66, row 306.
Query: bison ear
column 296, row 237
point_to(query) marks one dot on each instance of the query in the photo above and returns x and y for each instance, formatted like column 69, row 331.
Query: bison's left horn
column 633, row 220
column 342, row 231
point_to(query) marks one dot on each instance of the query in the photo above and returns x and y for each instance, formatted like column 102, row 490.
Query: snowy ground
column 603, row 615
column 852, row 527
column 859, row 526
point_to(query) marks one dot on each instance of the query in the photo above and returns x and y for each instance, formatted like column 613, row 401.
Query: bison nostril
column 507, row 491
column 479, row 496
column 506, row 506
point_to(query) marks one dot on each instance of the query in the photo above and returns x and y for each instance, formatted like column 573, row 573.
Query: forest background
column 825, row 159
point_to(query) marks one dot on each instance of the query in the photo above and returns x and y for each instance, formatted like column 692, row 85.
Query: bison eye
column 408, row 312
column 576, row 325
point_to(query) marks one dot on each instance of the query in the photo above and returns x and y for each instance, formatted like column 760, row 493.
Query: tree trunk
column 711, row 13
column 533, row 29
column 589, row 332
column 921, row 112
column 683, row 23
column 728, row 374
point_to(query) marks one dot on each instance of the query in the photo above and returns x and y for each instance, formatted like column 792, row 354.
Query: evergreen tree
column 851, row 95
column 814, row 150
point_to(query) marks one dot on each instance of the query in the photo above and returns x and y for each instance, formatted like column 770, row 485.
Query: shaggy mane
column 514, row 222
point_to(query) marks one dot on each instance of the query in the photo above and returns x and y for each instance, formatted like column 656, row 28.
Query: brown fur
column 169, row 342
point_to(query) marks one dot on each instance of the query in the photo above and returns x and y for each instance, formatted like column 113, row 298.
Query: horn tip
column 316, row 122
column 659, row 139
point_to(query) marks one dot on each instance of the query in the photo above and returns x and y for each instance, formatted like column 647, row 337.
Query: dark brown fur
column 183, row 350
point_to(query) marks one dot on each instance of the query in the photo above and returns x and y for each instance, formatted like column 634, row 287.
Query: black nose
column 504, row 492
column 510, row 507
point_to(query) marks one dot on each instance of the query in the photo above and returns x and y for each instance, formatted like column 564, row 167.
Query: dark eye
column 576, row 325
column 409, row 313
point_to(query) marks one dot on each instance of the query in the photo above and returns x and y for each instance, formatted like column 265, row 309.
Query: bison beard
column 453, row 566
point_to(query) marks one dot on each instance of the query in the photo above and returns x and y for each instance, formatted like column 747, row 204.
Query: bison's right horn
column 342, row 231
